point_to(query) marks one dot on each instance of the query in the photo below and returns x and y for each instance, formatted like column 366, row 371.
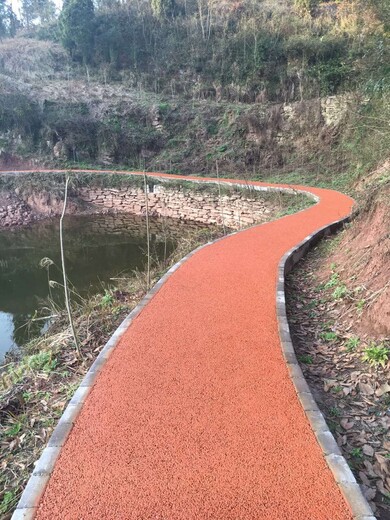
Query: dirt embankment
column 363, row 261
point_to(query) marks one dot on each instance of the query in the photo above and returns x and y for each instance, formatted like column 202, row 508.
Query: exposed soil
column 362, row 261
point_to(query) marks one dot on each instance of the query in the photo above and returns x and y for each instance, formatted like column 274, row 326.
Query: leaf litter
column 353, row 395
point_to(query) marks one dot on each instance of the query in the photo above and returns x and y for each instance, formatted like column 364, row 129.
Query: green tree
column 3, row 26
column 37, row 11
column 8, row 21
column 77, row 22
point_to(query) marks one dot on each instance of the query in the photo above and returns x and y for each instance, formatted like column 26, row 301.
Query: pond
column 97, row 248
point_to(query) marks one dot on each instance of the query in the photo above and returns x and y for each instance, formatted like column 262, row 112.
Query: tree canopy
column 77, row 23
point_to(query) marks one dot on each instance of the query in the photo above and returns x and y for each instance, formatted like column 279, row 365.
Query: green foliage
column 77, row 28
column 13, row 430
column 340, row 292
column 328, row 336
column 42, row 361
column 334, row 412
column 8, row 500
column 360, row 305
column 333, row 281
column 376, row 355
column 107, row 299
column 306, row 359
column 356, row 453
column 352, row 343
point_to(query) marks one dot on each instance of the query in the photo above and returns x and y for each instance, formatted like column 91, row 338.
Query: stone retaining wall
column 234, row 211
column 13, row 211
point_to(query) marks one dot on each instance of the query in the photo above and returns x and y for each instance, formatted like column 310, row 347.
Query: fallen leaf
column 383, row 389
column 346, row 424
column 368, row 450
column 369, row 492
column 365, row 388
column 370, row 469
column 381, row 488
column 364, row 478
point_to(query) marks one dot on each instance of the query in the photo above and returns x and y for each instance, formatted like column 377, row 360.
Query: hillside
column 270, row 88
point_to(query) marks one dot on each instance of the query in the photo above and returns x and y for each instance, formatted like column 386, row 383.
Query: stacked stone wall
column 234, row 211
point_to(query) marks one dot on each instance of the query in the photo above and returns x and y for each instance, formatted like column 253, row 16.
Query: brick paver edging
column 351, row 491
column 342, row 473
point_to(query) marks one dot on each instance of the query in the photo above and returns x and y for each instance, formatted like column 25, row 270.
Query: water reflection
column 96, row 249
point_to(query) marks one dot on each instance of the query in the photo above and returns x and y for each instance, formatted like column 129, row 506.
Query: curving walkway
column 194, row 415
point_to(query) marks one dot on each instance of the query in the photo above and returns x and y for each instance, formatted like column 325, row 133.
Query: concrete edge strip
column 339, row 467
column 36, row 485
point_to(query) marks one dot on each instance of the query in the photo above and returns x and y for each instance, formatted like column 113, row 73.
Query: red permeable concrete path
column 194, row 415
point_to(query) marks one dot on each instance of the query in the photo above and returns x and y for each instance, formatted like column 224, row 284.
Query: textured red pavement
column 194, row 415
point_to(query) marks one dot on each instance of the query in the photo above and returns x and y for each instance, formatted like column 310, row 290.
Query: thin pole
column 66, row 290
column 220, row 201
column 147, row 229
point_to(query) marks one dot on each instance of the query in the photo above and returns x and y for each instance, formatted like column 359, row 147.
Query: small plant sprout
column 360, row 305
column 9, row 498
column 334, row 411
column 352, row 343
column 328, row 336
column 376, row 355
column 340, row 292
column 333, row 281
column 356, row 453
column 306, row 359
column 107, row 300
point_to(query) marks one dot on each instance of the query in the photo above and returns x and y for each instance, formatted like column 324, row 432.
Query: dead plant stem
column 66, row 289
column 220, row 198
column 147, row 230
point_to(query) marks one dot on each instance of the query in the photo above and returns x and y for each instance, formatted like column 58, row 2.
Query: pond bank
column 25, row 198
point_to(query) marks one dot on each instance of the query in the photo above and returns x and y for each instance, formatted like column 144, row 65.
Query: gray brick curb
column 27, row 506
column 342, row 474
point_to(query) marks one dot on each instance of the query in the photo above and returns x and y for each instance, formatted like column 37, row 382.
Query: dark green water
column 97, row 249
